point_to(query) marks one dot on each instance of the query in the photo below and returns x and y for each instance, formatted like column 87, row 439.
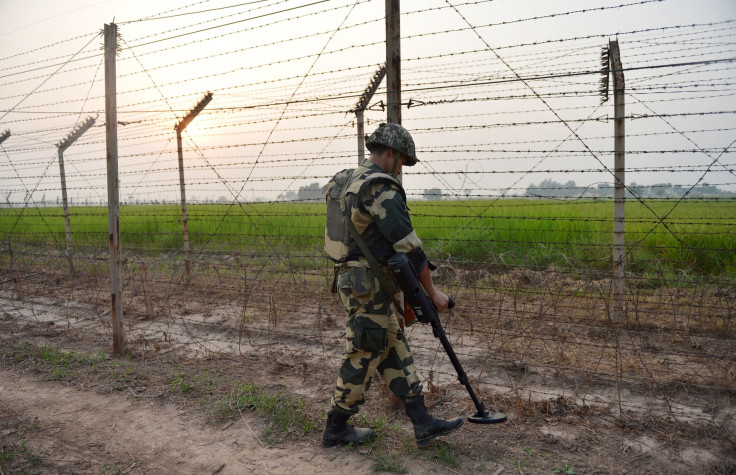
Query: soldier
column 375, row 202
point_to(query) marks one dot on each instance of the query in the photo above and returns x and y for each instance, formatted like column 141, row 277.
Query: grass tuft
column 287, row 411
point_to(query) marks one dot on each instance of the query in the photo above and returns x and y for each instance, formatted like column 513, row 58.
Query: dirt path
column 79, row 431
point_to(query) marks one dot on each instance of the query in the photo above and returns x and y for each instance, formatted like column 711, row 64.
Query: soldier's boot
column 426, row 427
column 338, row 431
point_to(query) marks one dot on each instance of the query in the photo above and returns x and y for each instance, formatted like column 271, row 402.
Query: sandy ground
column 74, row 433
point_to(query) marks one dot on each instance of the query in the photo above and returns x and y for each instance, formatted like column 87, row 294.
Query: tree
column 433, row 194
column 311, row 192
column 288, row 196
column 551, row 188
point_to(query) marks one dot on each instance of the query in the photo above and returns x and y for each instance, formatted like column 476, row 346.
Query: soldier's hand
column 440, row 300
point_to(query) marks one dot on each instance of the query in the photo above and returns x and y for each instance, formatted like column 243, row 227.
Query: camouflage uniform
column 374, row 339
column 375, row 203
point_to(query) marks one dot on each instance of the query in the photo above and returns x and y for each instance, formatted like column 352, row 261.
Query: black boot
column 338, row 431
column 427, row 427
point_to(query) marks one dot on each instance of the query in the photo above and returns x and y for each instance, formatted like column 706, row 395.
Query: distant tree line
column 551, row 188
column 545, row 189
column 311, row 192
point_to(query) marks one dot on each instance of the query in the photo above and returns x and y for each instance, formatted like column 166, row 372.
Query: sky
column 285, row 75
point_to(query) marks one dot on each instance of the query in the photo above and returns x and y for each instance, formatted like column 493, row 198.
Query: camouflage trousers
column 375, row 342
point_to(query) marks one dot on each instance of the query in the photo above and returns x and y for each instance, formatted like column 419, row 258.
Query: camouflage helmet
column 396, row 137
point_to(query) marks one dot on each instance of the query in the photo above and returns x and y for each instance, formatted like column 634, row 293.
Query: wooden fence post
column 619, row 193
column 113, row 192
column 393, row 61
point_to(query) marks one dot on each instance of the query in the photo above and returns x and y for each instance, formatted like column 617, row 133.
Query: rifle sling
column 385, row 284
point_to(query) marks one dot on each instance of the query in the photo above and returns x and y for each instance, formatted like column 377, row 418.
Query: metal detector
column 426, row 312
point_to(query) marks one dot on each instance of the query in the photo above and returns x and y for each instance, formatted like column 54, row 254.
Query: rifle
column 426, row 312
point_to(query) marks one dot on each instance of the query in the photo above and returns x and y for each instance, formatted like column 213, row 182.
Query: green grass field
column 699, row 236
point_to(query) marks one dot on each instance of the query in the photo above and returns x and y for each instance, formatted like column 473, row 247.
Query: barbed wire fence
column 513, row 195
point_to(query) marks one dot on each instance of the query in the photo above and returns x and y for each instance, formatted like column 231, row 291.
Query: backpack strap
column 374, row 176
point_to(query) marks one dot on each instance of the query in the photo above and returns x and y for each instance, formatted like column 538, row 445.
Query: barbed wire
column 29, row 198
column 196, row 59
column 429, row 130
column 158, row 17
column 564, row 39
column 491, row 150
column 97, row 55
column 219, row 161
column 47, row 78
column 578, row 38
column 350, row 96
column 173, row 183
column 78, row 37
column 518, row 333
column 486, row 148
column 573, row 132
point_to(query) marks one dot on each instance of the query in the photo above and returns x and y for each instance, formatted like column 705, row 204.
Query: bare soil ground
column 163, row 408
column 73, row 430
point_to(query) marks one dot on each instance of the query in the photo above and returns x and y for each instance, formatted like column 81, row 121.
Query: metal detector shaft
column 426, row 312
column 439, row 333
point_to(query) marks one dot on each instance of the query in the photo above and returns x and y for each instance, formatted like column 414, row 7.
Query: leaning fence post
column 62, row 146
column 113, row 192
column 361, row 106
column 184, row 219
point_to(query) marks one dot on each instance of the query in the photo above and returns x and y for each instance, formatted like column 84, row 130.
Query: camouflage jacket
column 379, row 212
